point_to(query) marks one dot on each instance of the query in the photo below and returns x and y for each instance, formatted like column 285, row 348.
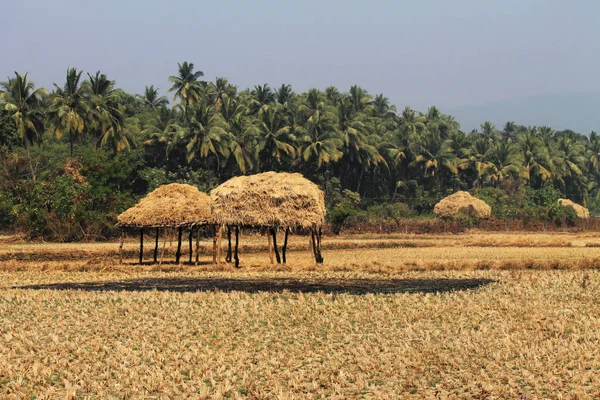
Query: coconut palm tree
column 69, row 109
column 276, row 140
column 319, row 141
column 152, row 99
column 502, row 160
column 24, row 103
column 186, row 85
column 103, row 100
column 118, row 131
column 243, row 139
column 536, row 160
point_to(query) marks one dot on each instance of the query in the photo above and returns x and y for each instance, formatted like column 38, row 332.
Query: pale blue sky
column 418, row 53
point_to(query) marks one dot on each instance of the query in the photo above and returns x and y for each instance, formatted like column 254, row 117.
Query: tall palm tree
column 284, row 93
column 69, row 109
column 502, row 161
column 243, row 138
column 119, row 131
column 434, row 155
column 276, row 140
column 152, row 99
column 186, row 86
column 359, row 98
column 319, row 140
column 536, row 160
column 24, row 103
column 104, row 103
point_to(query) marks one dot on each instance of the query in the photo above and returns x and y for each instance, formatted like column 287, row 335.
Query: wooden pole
column 237, row 240
column 178, row 254
column 162, row 254
column 219, row 242
column 197, row 244
column 214, row 229
column 284, row 248
column 141, row 245
column 313, row 245
column 319, row 257
column 228, row 256
column 190, row 244
column 121, row 246
column 156, row 246
column 275, row 249
column 271, row 259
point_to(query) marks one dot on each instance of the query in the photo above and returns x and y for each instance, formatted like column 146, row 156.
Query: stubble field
column 457, row 316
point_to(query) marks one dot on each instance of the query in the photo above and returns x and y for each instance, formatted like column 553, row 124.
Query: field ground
column 457, row 316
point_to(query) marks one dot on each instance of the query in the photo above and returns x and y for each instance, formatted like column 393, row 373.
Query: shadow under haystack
column 270, row 201
column 173, row 206
column 462, row 203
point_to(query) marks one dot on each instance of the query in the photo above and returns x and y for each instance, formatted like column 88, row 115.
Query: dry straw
column 462, row 202
column 170, row 206
column 269, row 199
column 581, row 211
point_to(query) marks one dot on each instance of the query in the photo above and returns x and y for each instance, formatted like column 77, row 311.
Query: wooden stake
column 237, row 240
column 274, row 233
column 197, row 244
column 190, row 244
column 285, row 242
column 219, row 241
column 270, row 247
column 318, row 256
column 162, row 254
column 156, row 246
column 313, row 245
column 141, row 245
column 178, row 254
column 121, row 246
column 214, row 229
column 228, row 256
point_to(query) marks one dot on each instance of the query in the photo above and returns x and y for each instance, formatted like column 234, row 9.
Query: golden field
column 460, row 316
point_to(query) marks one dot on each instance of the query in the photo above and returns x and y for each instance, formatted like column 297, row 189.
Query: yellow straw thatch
column 173, row 206
column 581, row 211
column 269, row 199
column 462, row 202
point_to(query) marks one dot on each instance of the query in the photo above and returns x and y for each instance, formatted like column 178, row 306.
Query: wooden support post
column 214, row 229
column 313, row 245
column 237, row 241
column 178, row 254
column 310, row 247
column 219, row 242
column 228, row 256
column 197, row 244
column 190, row 244
column 141, row 245
column 284, row 248
column 162, row 254
column 318, row 256
column 156, row 246
column 121, row 246
column 275, row 249
column 271, row 259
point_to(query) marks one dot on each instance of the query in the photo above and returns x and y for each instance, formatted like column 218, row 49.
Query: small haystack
column 462, row 202
column 271, row 200
column 581, row 211
column 170, row 206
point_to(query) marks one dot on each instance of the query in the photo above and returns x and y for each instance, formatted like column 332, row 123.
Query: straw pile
column 173, row 206
column 269, row 199
column 581, row 211
column 462, row 202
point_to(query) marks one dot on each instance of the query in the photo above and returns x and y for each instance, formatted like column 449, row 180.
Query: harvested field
column 440, row 320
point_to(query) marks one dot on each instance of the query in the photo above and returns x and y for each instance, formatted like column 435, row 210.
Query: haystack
column 170, row 206
column 462, row 202
column 581, row 211
column 271, row 200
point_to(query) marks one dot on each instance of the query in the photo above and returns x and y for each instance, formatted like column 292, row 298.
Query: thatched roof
column 269, row 199
column 173, row 206
column 462, row 202
column 581, row 211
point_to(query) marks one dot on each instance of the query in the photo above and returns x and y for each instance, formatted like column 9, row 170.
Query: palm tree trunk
column 29, row 160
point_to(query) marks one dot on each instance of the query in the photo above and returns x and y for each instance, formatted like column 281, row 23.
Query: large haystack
column 269, row 199
column 170, row 206
column 581, row 211
column 462, row 202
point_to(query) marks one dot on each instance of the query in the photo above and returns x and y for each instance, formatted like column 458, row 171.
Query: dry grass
column 531, row 332
column 437, row 321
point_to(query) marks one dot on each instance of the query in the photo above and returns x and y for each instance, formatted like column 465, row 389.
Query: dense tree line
column 90, row 136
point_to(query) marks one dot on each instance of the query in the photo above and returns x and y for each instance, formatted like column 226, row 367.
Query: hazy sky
column 418, row 53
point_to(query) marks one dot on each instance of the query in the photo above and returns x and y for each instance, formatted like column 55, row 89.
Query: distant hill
column 577, row 111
